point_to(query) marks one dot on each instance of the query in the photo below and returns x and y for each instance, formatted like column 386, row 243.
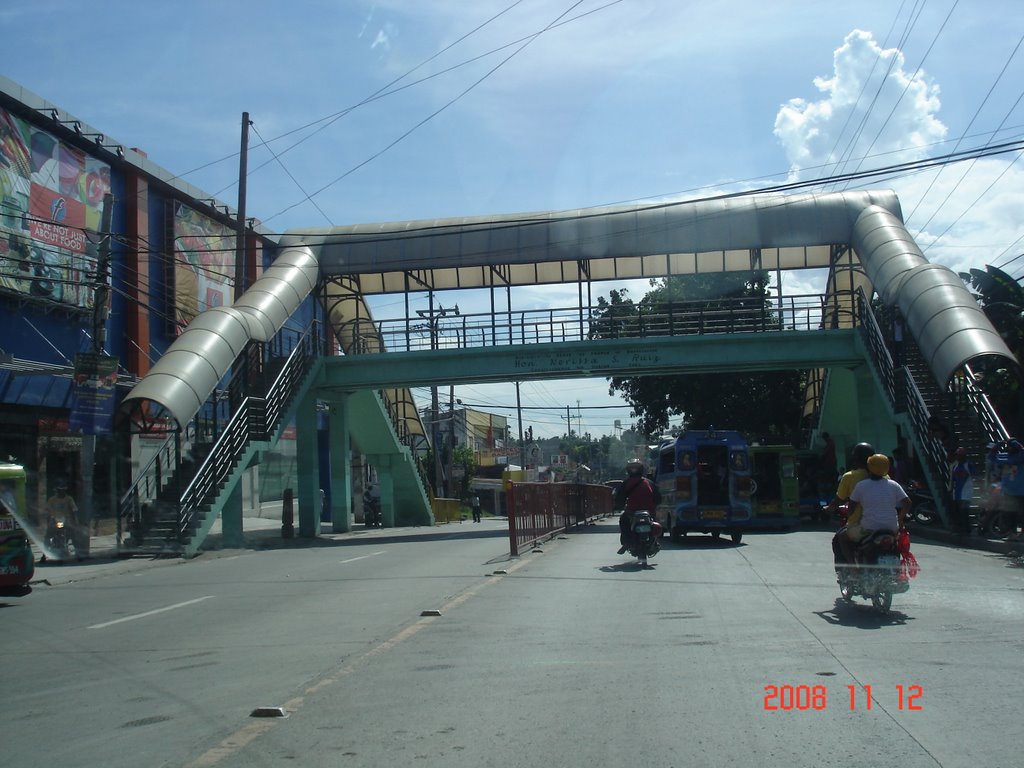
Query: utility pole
column 101, row 295
column 100, row 312
column 451, row 441
column 240, row 249
column 522, row 443
column 433, row 318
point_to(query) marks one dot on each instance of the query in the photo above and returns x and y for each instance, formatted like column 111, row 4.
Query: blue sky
column 611, row 102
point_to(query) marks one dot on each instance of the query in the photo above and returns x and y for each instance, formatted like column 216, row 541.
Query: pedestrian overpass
column 227, row 387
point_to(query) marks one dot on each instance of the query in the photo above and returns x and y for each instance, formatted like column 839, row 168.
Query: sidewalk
column 103, row 558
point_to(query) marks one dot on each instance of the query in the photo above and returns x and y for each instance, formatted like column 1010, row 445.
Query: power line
column 432, row 115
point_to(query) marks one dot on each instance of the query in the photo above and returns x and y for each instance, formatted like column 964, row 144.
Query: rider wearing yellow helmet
column 884, row 502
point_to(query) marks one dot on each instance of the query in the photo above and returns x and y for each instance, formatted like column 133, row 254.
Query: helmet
column 861, row 451
column 634, row 467
column 878, row 464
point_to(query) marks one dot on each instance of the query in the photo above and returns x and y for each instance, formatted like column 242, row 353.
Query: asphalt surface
column 432, row 646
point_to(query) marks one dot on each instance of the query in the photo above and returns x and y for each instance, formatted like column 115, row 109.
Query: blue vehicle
column 706, row 484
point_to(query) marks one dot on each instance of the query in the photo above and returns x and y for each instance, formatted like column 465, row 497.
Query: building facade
column 104, row 259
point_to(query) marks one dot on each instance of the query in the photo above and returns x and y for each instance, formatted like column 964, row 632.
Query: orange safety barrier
column 538, row 511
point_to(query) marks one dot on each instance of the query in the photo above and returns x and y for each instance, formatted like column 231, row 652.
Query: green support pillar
column 387, row 488
column 232, row 536
column 341, row 466
column 306, row 455
column 877, row 423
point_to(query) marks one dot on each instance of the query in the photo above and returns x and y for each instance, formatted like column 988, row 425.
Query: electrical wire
column 432, row 115
column 974, row 117
column 910, row 82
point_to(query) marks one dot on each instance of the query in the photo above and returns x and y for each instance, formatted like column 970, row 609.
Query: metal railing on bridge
column 539, row 326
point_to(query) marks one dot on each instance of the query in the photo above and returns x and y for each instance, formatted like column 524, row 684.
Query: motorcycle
column 60, row 538
column 645, row 533
column 996, row 516
column 372, row 515
column 880, row 572
column 922, row 508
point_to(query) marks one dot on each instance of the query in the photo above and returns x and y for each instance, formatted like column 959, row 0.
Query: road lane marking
column 362, row 557
column 245, row 735
column 149, row 613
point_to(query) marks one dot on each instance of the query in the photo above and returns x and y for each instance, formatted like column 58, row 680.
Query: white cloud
column 871, row 106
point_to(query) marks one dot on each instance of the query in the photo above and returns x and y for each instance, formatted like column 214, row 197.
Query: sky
column 399, row 110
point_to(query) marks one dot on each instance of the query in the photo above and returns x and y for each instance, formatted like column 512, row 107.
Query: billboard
column 204, row 264
column 51, row 205
column 93, row 393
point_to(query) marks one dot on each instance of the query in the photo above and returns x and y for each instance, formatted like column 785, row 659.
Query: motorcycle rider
column 634, row 494
column 841, row 550
column 884, row 503
column 61, row 506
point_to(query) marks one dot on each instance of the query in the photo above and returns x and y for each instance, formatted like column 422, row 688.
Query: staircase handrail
column 152, row 477
column 248, row 421
column 880, row 357
column 912, row 401
column 935, row 459
column 994, row 428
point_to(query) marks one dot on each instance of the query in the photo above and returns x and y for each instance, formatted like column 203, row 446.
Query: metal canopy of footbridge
column 858, row 236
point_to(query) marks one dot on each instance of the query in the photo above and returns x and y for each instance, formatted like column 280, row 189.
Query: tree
column 466, row 460
column 766, row 405
column 1002, row 300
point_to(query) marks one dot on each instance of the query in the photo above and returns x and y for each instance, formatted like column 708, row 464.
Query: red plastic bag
column 909, row 567
column 903, row 542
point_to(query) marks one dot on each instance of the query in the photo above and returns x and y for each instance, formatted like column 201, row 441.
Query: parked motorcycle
column 372, row 515
column 880, row 573
column 996, row 516
column 922, row 508
column 645, row 535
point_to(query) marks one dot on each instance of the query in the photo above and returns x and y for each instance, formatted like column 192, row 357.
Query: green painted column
column 232, row 536
column 387, row 488
column 341, row 466
column 877, row 422
column 306, row 455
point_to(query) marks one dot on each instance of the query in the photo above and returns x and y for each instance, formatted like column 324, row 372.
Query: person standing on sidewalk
column 476, row 509
column 962, row 484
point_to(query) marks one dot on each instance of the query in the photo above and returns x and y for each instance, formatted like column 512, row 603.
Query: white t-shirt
column 879, row 498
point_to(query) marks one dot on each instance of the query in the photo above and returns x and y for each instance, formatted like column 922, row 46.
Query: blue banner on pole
column 93, row 393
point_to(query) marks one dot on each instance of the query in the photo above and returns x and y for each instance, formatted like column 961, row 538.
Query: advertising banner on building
column 93, row 393
column 204, row 264
column 51, row 204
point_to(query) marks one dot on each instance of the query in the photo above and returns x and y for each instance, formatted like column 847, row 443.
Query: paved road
column 572, row 657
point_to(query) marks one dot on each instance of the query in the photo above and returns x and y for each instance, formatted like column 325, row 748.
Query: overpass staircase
column 920, row 405
column 175, row 499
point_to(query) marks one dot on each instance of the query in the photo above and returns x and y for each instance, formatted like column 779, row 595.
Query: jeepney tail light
column 683, row 487
column 743, row 486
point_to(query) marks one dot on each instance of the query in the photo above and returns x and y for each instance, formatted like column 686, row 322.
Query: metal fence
column 537, row 511
column 539, row 326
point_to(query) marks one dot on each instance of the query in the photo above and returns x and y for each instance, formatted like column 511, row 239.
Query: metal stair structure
column 171, row 505
column 174, row 501
column 918, row 403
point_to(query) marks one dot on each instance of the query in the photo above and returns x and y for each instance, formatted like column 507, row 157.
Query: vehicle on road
column 878, row 574
column 706, row 485
column 17, row 564
column 644, row 533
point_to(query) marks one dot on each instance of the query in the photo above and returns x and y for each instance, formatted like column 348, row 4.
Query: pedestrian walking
column 476, row 509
